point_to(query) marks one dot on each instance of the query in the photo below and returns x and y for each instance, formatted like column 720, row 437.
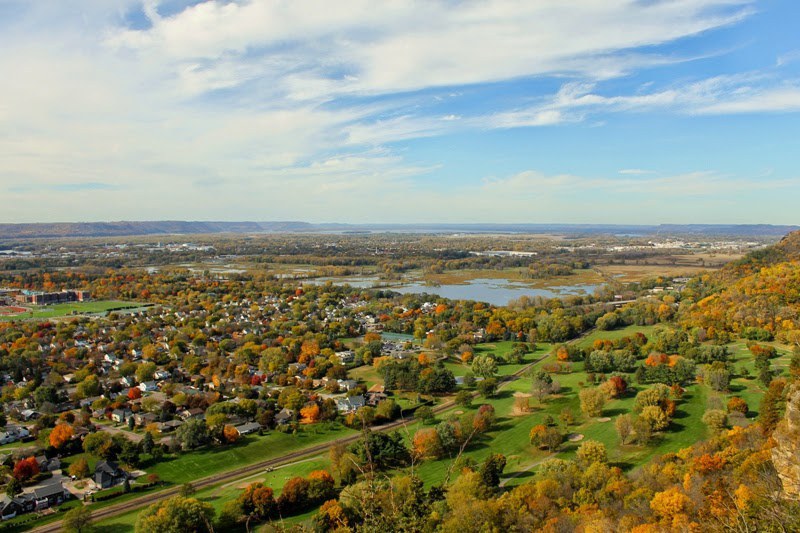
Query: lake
column 493, row 291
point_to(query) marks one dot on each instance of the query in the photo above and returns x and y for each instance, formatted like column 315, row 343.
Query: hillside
column 757, row 297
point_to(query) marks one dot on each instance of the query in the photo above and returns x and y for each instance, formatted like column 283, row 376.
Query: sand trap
column 604, row 419
column 575, row 437
column 522, row 395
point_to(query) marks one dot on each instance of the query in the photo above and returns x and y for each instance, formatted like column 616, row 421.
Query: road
column 135, row 437
column 250, row 470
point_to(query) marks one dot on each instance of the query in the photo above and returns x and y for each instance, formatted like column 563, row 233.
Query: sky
column 530, row 111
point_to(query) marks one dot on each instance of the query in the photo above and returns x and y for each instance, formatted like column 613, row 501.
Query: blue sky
column 584, row 111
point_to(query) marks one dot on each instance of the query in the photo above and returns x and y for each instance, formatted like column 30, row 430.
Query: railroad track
column 232, row 475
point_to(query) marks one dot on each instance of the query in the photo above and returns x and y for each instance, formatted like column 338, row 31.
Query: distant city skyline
column 612, row 112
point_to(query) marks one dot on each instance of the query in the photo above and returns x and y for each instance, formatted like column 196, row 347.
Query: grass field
column 189, row 466
column 75, row 308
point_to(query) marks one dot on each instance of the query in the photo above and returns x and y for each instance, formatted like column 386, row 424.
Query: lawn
column 253, row 448
column 75, row 308
column 617, row 334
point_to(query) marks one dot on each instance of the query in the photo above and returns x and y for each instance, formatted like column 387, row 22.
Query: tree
column 230, row 433
column 738, row 405
column 80, row 468
column 484, row 365
column 426, row 443
column 310, row 413
column 464, row 398
column 624, row 426
column 387, row 410
column 655, row 417
column 424, row 414
column 294, row 496
column 78, row 520
column 60, row 435
column 13, row 487
column 147, row 443
column 541, row 385
column 487, row 387
column 715, row 419
column 257, row 501
column 591, row 452
column 491, row 469
column 192, row 434
column 134, row 393
column 592, row 402
column 98, row 444
column 26, row 468
column 145, row 371
column 176, row 515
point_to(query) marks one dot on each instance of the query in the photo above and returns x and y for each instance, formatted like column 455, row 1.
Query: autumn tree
column 592, row 402
column 60, row 435
column 310, row 413
column 591, row 452
column 26, row 468
column 426, row 443
column 79, row 469
column 230, row 434
column 624, row 426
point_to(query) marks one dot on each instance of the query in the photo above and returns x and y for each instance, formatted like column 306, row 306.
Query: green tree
column 487, row 387
column 464, row 398
column 484, row 365
column 13, row 487
column 491, row 469
column 176, row 515
column 77, row 520
column 192, row 434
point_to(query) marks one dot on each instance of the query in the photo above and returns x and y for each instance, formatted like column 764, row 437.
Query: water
column 493, row 291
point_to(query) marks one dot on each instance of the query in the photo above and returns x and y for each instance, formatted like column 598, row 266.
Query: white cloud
column 292, row 103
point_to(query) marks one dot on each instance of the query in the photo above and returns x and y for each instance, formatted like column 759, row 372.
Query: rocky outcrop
column 786, row 453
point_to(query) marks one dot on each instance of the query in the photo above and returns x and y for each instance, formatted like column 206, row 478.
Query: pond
column 493, row 291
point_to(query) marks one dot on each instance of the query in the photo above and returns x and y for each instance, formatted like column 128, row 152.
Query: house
column 347, row 384
column 121, row 415
column 108, row 473
column 50, row 494
column 28, row 414
column 249, row 427
column 142, row 419
column 170, row 425
column 345, row 357
column 186, row 414
column 284, row 416
column 11, row 507
column 350, row 404
column 48, row 465
column 374, row 398
column 148, row 386
column 128, row 381
column 161, row 375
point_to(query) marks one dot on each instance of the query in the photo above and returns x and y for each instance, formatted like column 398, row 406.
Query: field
column 59, row 310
